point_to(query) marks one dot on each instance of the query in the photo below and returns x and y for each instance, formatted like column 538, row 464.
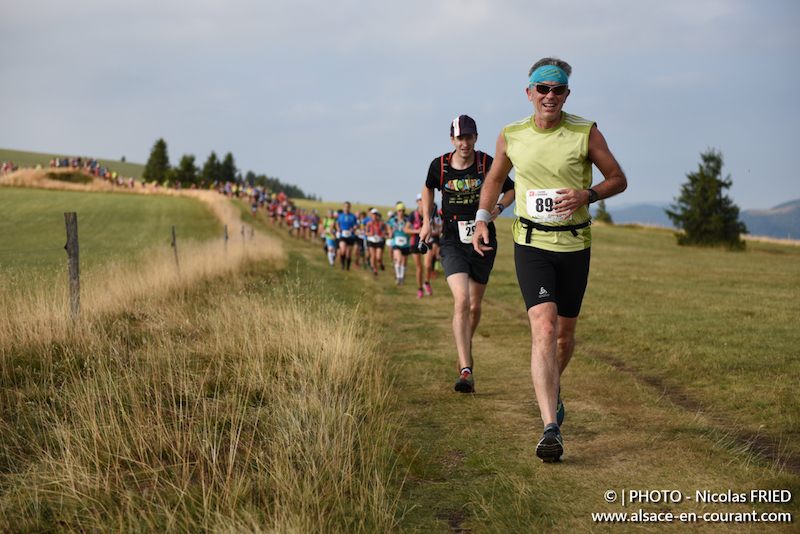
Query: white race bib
column 346, row 234
column 465, row 231
column 400, row 240
column 375, row 239
column 541, row 205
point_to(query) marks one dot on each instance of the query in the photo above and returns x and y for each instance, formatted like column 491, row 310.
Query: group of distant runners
column 362, row 238
column 552, row 153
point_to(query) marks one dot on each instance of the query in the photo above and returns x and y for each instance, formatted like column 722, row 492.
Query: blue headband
column 548, row 73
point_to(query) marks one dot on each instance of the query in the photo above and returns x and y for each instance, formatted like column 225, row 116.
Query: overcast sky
column 351, row 100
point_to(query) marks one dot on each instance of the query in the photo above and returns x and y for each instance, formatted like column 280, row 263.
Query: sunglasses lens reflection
column 557, row 89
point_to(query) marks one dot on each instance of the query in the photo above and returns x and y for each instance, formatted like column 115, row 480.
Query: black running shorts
column 458, row 257
column 558, row 277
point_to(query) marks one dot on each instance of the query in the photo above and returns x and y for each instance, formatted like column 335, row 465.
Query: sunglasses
column 543, row 88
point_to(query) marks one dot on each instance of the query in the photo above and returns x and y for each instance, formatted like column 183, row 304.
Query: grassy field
column 286, row 395
column 683, row 379
column 32, row 159
column 110, row 226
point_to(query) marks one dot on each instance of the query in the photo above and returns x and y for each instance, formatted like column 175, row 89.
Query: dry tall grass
column 41, row 179
column 199, row 403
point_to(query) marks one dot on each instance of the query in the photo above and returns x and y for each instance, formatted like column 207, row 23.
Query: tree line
column 706, row 215
column 213, row 171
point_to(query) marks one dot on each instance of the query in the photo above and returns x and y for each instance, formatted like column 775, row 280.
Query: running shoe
column 382, row 267
column 428, row 289
column 419, row 293
column 551, row 447
column 465, row 384
column 560, row 413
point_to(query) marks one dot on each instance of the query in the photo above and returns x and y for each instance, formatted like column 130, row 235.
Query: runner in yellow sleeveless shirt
column 552, row 153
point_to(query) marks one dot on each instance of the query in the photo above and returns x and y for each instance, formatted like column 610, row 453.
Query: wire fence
column 73, row 251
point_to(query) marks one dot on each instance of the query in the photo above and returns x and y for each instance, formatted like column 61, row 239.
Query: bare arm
column 614, row 179
column 506, row 200
column 490, row 191
column 427, row 205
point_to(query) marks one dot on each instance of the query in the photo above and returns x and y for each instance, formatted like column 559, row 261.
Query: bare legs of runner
column 552, row 347
column 467, row 295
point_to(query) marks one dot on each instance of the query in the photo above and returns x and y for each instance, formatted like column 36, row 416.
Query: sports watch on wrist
column 592, row 196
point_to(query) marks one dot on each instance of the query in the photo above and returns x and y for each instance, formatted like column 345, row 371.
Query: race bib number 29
column 541, row 205
column 465, row 231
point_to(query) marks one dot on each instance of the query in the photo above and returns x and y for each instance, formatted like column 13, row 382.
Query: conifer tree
column 706, row 215
column 211, row 170
column 157, row 168
column 186, row 171
column 602, row 215
column 228, row 169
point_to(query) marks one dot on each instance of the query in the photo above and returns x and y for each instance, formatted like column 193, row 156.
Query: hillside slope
column 781, row 222
column 23, row 159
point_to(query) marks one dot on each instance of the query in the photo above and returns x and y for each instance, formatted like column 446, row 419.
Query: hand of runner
column 425, row 231
column 495, row 213
column 480, row 238
column 570, row 201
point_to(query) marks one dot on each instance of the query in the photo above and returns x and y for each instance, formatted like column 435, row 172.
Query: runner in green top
column 552, row 153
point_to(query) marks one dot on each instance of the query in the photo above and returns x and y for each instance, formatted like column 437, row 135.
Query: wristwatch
column 499, row 205
column 592, row 196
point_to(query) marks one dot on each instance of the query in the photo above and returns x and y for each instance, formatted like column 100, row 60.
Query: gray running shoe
column 551, row 447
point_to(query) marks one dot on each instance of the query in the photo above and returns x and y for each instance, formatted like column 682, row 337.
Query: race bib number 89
column 542, row 205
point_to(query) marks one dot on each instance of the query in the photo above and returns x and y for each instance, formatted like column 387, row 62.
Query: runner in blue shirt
column 346, row 230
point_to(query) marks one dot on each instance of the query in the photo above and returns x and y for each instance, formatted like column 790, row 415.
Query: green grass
column 32, row 230
column 31, row 159
column 717, row 328
column 684, row 378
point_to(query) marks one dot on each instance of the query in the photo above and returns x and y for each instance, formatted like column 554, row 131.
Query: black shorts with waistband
column 546, row 276
column 458, row 257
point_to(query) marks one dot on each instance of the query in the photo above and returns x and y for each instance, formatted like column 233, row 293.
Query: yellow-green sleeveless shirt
column 550, row 159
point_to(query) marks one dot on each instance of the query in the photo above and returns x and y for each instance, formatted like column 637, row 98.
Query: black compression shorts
column 558, row 277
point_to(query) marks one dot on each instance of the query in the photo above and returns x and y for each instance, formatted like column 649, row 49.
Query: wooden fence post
column 71, row 221
column 175, row 248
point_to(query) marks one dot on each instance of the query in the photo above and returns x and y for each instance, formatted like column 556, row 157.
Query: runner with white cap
column 459, row 175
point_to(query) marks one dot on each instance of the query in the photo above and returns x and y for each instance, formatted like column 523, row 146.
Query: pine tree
column 228, row 169
column 211, row 172
column 706, row 215
column 186, row 171
column 157, row 168
column 602, row 215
